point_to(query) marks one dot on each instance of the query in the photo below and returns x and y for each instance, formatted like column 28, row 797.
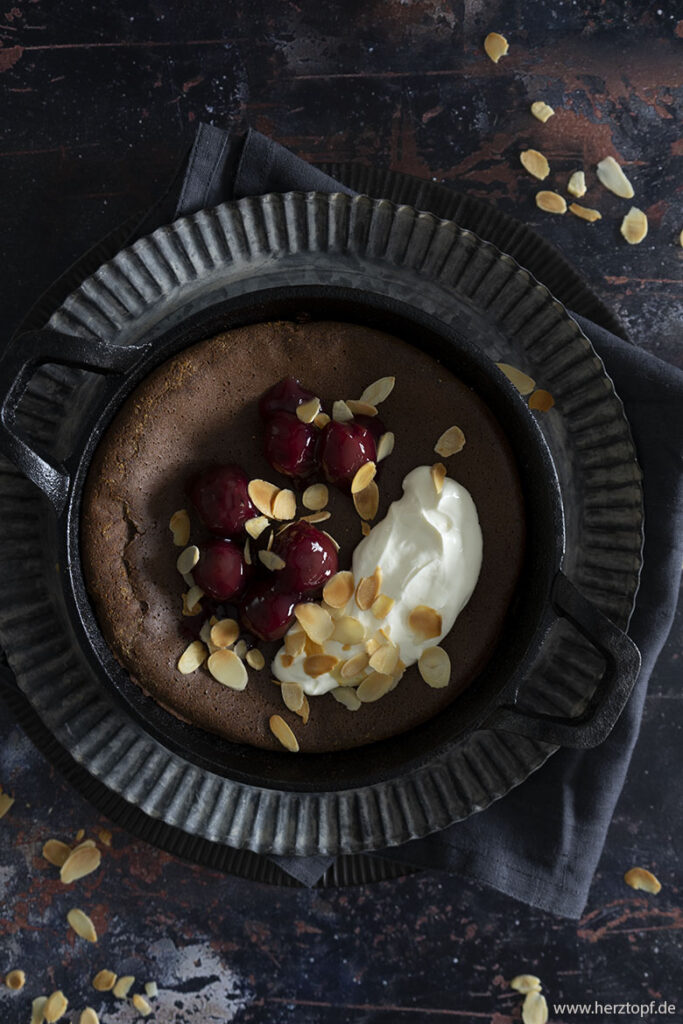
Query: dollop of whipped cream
column 429, row 549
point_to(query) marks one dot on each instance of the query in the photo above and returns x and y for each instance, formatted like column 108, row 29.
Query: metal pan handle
column 613, row 690
column 20, row 360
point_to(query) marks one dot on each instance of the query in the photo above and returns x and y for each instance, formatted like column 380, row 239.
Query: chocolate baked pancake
column 201, row 408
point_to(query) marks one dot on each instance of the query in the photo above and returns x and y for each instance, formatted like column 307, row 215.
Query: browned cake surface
column 201, row 407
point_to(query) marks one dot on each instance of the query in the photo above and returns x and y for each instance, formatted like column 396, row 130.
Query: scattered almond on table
column 641, row 878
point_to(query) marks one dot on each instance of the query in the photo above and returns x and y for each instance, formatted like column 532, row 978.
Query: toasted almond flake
column 541, row 110
column 151, row 989
column 425, row 622
column 194, row 596
column 641, row 878
column 15, row 980
column 366, row 502
column 104, row 836
column 368, row 589
column 385, row 660
column 187, row 559
column 365, row 528
column 55, row 1007
column 317, row 517
column 271, row 538
column 104, row 981
column 315, row 497
column 338, row 590
column 192, row 657
column 372, row 645
column 348, row 630
column 38, row 1009
column 378, row 391
column 79, row 835
column 535, row 163
column 496, row 46
column 191, row 609
column 224, row 633
column 576, row 186
column 282, row 732
column 526, row 983
column 522, row 381
column 86, row 842
column 308, row 411
column 141, row 1005
column 310, row 647
column 179, row 525
column 451, row 442
column 354, row 666
column 294, row 642
column 89, row 1016
column 82, row 925
column 205, row 636
column 316, row 622
column 256, row 526
column 551, row 202
column 271, row 561
column 293, row 696
column 227, row 669
column 240, row 648
column 612, row 177
column 361, row 408
column 188, row 578
column 255, row 659
column 534, row 1009
column 81, row 862
column 124, row 985
column 304, row 711
column 56, row 852
column 385, row 445
column 341, row 412
column 435, row 667
column 438, row 474
column 321, row 420
column 287, row 660
column 362, row 477
column 319, row 664
column 381, row 606
column 541, row 401
column 284, row 505
column 263, row 495
column 373, row 687
column 348, row 697
column 634, row 226
column 585, row 213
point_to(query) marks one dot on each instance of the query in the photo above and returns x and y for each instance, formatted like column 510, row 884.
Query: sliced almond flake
column 321, row 420
column 612, row 177
column 15, row 980
column 680, row 239
column 374, row 687
column 308, row 411
column 385, row 660
column 240, row 648
column 526, row 983
column 38, row 1009
column 294, row 643
column 292, row 695
column 271, row 561
column 191, row 609
column 86, row 842
column 55, row 1007
column 224, row 633
column 641, row 878
column 315, row 497
column 368, row 589
column 576, row 185
column 435, row 667
column 205, row 636
column 263, row 495
column 151, row 989
column 496, row 46
column 192, row 657
column 124, row 985
column 535, row 163
column 82, row 925
column 286, row 660
column 284, row 505
column 451, row 442
column 315, row 621
column 534, row 1009
column 141, row 1005
column 89, row 1016
column 187, row 559
column 80, row 862
column 227, row 669
column 282, row 732
column 541, row 110
column 551, row 202
column 247, row 552
column 585, row 213
column 255, row 659
column 348, row 630
column 271, row 538
column 304, row 711
column 338, row 590
column 104, row 981
column 438, row 474
column 366, row 502
column 194, row 596
column 104, row 836
column 55, row 852
column 425, row 622
column 346, row 696
column 313, row 648
column 335, row 542
column 541, row 401
column 354, row 666
column 317, row 517
column 365, row 528
column 188, row 578
column 79, row 835
column 363, row 476
column 522, row 381
column 372, row 645
column 179, row 525
column 381, row 606
column 385, row 445
column 256, row 526
column 361, row 408
column 319, row 664
column 378, row 391
column 634, row 226
column 341, row 412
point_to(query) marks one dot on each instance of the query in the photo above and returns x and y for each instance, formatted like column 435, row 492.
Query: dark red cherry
column 221, row 571
column 344, row 448
column 310, row 558
column 373, row 424
column 220, row 496
column 267, row 611
column 291, row 445
column 284, row 396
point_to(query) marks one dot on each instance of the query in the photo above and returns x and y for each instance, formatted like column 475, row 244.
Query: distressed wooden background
column 100, row 100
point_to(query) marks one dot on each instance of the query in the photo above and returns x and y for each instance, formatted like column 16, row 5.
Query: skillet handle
column 623, row 665
column 20, row 360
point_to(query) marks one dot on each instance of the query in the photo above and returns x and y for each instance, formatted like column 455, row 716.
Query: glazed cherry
column 310, row 558
column 290, row 445
column 284, row 396
column 373, row 424
column 221, row 571
column 220, row 496
column 267, row 611
column 344, row 448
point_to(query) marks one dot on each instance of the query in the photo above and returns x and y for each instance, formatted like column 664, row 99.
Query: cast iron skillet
column 544, row 593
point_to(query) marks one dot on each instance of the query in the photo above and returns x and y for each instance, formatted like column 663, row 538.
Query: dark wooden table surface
column 99, row 103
